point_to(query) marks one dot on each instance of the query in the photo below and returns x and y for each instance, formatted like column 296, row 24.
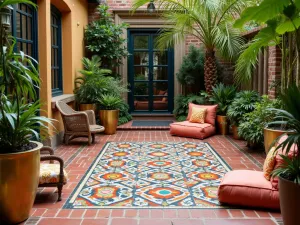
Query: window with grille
column 24, row 29
column 56, row 57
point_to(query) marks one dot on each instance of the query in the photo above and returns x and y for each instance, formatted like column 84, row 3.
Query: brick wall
column 274, row 69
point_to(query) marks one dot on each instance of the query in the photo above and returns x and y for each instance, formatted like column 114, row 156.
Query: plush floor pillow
column 193, row 130
column 269, row 163
column 248, row 188
column 210, row 113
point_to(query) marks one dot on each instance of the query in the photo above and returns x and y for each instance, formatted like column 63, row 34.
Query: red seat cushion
column 211, row 112
column 193, row 130
column 248, row 188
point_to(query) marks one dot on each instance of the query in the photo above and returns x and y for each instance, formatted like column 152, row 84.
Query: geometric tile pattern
column 151, row 175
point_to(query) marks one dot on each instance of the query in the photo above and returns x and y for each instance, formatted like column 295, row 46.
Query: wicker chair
column 78, row 124
column 52, row 175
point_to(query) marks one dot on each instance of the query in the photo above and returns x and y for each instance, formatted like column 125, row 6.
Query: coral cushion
column 198, row 115
column 210, row 113
column 269, row 163
column 49, row 174
column 248, row 188
column 194, row 130
column 279, row 162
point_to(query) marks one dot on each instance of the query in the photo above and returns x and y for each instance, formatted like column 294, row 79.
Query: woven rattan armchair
column 51, row 174
column 78, row 124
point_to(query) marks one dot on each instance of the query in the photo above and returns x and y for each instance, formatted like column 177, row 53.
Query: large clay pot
column 270, row 136
column 222, row 124
column 109, row 119
column 235, row 132
column 289, row 194
column 84, row 107
column 19, row 179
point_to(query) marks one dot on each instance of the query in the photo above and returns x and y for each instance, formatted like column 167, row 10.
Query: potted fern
column 243, row 103
column 223, row 96
column 20, row 128
column 289, row 172
column 109, row 112
column 91, row 84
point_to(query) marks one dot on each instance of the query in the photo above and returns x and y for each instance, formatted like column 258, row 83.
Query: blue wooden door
column 150, row 73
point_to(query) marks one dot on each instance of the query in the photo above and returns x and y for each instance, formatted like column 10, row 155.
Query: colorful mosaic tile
column 151, row 175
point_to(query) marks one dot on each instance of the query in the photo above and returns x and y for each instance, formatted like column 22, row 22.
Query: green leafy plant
column 208, row 21
column 280, row 23
column 124, row 115
column 19, row 107
column 223, row 96
column 182, row 105
column 253, row 123
column 104, row 38
column 243, row 103
column 109, row 102
column 290, row 117
column 96, row 81
column 92, row 81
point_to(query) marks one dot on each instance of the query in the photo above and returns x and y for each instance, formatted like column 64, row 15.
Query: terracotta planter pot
column 84, row 107
column 270, row 136
column 222, row 125
column 289, row 194
column 235, row 132
column 19, row 179
column 109, row 119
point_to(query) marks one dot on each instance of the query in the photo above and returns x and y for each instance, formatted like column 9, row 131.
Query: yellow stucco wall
column 74, row 20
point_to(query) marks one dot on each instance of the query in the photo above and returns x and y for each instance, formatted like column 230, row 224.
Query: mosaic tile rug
column 151, row 175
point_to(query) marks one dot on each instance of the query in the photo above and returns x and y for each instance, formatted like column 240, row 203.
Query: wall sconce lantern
column 5, row 16
column 151, row 7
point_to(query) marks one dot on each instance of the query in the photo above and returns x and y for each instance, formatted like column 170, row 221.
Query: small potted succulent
column 109, row 112
column 91, row 84
column 243, row 103
column 289, row 171
column 223, row 96
column 21, row 127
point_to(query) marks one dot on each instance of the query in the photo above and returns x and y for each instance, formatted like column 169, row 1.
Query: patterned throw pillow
column 269, row 163
column 198, row 115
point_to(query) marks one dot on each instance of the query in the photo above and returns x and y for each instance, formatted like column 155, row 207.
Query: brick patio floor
column 78, row 157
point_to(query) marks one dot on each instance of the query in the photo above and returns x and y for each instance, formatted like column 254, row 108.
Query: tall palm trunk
column 210, row 70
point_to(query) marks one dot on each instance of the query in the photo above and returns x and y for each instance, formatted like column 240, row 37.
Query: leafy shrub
column 243, row 103
column 124, row 115
column 191, row 71
column 182, row 105
column 104, row 38
column 223, row 96
column 109, row 102
column 252, row 127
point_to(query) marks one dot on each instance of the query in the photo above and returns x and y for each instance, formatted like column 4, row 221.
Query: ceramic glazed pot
column 84, row 107
column 235, row 132
column 289, row 194
column 19, row 179
column 222, row 124
column 270, row 135
column 109, row 119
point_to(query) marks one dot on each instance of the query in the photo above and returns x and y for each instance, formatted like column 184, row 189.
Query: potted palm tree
column 243, row 103
column 289, row 172
column 109, row 112
column 211, row 23
column 91, row 84
column 223, row 96
column 20, row 125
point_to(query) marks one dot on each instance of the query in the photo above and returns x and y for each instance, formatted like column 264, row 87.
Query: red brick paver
column 78, row 157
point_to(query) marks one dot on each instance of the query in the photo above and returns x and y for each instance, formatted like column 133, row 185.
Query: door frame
column 130, row 64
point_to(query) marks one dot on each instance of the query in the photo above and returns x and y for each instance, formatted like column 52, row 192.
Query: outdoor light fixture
column 151, row 7
column 5, row 16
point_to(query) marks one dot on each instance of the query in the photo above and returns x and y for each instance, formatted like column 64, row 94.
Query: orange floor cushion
column 248, row 188
column 193, row 130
